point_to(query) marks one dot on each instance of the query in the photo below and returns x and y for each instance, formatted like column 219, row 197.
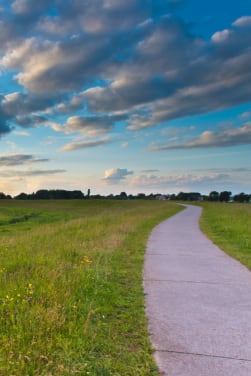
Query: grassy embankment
column 228, row 226
column 71, row 299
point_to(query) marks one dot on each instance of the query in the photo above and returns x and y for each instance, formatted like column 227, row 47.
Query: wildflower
column 86, row 260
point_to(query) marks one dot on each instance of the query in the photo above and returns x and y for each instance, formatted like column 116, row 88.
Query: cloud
column 221, row 36
column 209, row 139
column 177, row 182
column 86, row 144
column 100, row 59
column 22, row 133
column 27, row 7
column 13, row 173
column 17, row 104
column 150, row 171
column 90, row 125
column 244, row 21
column 116, row 175
column 20, row 159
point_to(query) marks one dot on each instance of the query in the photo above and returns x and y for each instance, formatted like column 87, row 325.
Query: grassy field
column 71, row 298
column 228, row 225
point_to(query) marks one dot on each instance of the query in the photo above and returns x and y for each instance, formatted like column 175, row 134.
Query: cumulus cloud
column 90, row 125
column 210, row 139
column 16, row 105
column 221, row 36
column 116, row 175
column 244, row 21
column 96, row 60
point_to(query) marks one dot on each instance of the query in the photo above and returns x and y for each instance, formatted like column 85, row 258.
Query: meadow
column 229, row 226
column 71, row 296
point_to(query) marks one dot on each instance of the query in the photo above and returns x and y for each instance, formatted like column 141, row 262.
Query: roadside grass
column 228, row 225
column 71, row 296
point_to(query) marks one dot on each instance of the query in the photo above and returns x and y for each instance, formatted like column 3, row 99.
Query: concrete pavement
column 198, row 302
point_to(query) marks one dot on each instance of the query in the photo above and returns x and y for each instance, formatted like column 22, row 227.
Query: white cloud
column 176, row 183
column 212, row 139
column 116, row 175
column 244, row 21
column 221, row 36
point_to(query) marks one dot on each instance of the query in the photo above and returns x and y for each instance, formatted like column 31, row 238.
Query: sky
column 149, row 96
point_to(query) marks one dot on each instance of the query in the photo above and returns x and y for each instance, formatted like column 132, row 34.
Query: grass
column 228, row 225
column 71, row 298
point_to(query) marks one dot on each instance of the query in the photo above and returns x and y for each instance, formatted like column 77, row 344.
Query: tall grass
column 71, row 298
column 228, row 225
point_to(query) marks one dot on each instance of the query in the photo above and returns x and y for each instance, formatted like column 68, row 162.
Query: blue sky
column 136, row 96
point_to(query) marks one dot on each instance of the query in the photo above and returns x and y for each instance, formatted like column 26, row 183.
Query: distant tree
column 190, row 196
column 3, row 196
column 214, row 196
column 225, row 196
column 141, row 195
column 42, row 194
column 123, row 196
column 241, row 197
column 88, row 193
column 77, row 195
column 21, row 196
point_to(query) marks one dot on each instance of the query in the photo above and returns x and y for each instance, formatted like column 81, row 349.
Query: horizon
column 136, row 97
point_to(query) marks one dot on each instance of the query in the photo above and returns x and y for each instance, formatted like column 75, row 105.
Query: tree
column 241, row 197
column 225, row 196
column 214, row 196
column 123, row 196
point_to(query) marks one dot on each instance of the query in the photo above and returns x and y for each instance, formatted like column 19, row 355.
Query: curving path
column 198, row 302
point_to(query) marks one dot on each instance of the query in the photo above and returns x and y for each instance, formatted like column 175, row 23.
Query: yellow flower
column 87, row 260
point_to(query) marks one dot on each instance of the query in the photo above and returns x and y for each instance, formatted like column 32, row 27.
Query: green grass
column 228, row 225
column 71, row 297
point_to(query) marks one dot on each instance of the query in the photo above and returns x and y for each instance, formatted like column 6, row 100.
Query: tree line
column 62, row 194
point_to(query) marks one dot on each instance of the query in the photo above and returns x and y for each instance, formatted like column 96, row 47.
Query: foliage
column 53, row 194
column 71, row 299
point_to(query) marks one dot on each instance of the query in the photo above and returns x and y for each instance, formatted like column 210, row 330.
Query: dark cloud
column 149, row 171
column 18, row 104
column 90, row 125
column 5, row 127
column 113, row 58
column 20, row 159
column 29, row 7
column 31, row 121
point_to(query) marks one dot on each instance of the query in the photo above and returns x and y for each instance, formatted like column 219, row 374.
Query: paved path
column 198, row 302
